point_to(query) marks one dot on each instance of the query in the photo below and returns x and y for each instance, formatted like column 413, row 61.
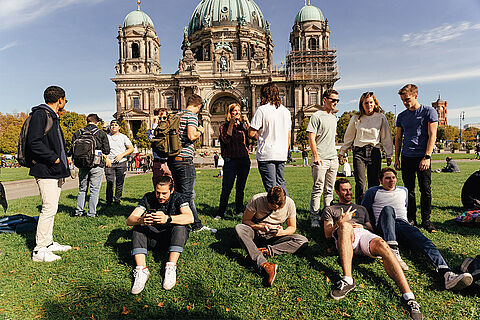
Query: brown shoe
column 270, row 271
column 265, row 252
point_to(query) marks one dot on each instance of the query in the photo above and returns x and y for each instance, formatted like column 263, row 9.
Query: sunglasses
column 334, row 100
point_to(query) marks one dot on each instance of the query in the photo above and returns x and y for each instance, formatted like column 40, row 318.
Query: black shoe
column 341, row 289
column 428, row 225
column 412, row 223
column 117, row 203
column 413, row 309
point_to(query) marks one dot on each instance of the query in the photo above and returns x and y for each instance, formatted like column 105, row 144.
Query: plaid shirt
column 236, row 145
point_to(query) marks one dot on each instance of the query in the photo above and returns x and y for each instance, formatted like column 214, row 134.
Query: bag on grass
column 166, row 140
column 83, row 149
column 472, row 266
column 22, row 157
column 469, row 218
column 18, row 223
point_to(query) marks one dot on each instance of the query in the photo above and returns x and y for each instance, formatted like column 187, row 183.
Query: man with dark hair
column 120, row 148
column 92, row 175
column 181, row 166
column 160, row 220
column 271, row 125
column 388, row 203
column 322, row 129
column 262, row 226
column 349, row 225
column 415, row 139
column 50, row 168
column 451, row 166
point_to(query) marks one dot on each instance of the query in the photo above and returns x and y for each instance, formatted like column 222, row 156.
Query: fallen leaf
column 160, row 304
column 188, row 307
column 37, row 317
column 92, row 317
column 125, row 311
column 138, row 299
column 362, row 285
column 76, row 248
column 328, row 280
column 194, row 244
column 346, row 314
column 34, row 281
column 103, row 227
column 49, row 280
column 226, row 309
column 107, row 270
column 145, row 306
column 13, row 271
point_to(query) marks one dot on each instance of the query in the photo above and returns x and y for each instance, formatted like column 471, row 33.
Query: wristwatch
column 427, row 156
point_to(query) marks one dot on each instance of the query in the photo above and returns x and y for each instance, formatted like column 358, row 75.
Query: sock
column 408, row 296
column 140, row 267
column 348, row 280
column 171, row 264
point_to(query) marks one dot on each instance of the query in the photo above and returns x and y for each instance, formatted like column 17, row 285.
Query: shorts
column 361, row 242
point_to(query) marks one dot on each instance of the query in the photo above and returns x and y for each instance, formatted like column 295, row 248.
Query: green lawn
column 93, row 280
column 14, row 174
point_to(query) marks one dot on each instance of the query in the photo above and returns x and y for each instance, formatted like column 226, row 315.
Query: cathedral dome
column 210, row 13
column 137, row 17
column 309, row 13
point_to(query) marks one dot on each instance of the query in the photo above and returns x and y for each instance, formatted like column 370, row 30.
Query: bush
column 440, row 145
column 456, row 146
column 470, row 145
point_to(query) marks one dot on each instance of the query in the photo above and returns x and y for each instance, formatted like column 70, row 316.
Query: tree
column 470, row 134
column 125, row 130
column 10, row 126
column 141, row 139
column 392, row 122
column 449, row 133
column 70, row 122
column 342, row 124
column 302, row 134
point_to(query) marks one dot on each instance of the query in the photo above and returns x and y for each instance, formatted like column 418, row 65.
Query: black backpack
column 166, row 140
column 23, row 159
column 83, row 149
column 471, row 192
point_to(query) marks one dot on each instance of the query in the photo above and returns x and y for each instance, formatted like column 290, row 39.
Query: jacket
column 44, row 150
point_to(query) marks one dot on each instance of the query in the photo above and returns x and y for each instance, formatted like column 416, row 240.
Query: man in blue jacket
column 49, row 167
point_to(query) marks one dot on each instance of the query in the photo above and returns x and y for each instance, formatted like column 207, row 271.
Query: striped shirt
column 187, row 119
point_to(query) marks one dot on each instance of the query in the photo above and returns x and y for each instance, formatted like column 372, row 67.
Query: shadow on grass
column 91, row 300
column 450, row 226
column 121, row 248
column 227, row 241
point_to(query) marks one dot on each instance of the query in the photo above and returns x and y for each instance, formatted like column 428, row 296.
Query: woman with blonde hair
column 234, row 150
column 367, row 131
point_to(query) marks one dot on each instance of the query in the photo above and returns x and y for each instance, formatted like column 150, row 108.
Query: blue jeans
column 273, row 174
column 234, row 168
column 409, row 235
column 184, row 175
column 86, row 177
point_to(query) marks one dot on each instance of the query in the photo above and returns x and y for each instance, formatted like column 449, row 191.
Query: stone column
column 183, row 102
column 253, row 99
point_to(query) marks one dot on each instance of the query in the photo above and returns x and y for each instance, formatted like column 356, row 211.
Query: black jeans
column 234, row 168
column 367, row 162
column 115, row 174
column 410, row 167
column 159, row 237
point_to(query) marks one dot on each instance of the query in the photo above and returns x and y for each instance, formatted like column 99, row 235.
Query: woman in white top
column 366, row 132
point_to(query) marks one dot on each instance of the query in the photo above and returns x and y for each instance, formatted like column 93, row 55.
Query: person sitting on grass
column 388, row 203
column 451, row 166
column 160, row 220
column 262, row 226
column 349, row 225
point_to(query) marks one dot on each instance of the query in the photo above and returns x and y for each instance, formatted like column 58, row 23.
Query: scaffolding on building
column 312, row 65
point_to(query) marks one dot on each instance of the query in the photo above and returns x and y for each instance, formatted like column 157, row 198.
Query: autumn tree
column 125, row 130
column 302, row 134
column 10, row 126
column 141, row 139
column 392, row 122
column 449, row 133
column 70, row 122
column 470, row 134
column 342, row 124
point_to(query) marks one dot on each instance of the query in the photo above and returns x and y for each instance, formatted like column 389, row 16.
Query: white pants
column 324, row 176
column 50, row 192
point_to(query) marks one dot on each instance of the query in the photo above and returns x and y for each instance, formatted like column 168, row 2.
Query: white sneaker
column 457, row 282
column 57, row 247
column 140, row 278
column 400, row 260
column 44, row 255
column 170, row 278
column 206, row 228
column 218, row 218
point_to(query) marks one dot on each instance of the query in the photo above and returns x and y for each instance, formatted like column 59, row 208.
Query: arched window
column 313, row 44
column 135, row 51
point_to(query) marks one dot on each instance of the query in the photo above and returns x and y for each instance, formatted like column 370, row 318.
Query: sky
column 381, row 45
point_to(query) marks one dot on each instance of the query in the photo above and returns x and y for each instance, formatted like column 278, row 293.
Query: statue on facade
column 223, row 64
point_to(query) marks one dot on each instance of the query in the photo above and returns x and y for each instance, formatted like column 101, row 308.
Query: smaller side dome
column 137, row 17
column 309, row 13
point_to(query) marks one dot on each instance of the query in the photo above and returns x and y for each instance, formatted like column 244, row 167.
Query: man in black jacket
column 92, row 175
column 49, row 167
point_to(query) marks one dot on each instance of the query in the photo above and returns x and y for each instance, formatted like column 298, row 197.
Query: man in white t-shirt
column 120, row 147
column 271, row 126
column 322, row 129
column 262, row 226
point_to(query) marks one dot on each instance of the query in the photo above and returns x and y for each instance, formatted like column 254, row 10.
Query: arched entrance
column 218, row 109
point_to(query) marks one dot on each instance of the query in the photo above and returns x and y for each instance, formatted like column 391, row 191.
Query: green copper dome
column 137, row 17
column 210, row 13
column 309, row 13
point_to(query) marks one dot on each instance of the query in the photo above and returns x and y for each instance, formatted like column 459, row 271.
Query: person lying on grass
column 262, row 226
column 388, row 203
column 349, row 225
column 160, row 221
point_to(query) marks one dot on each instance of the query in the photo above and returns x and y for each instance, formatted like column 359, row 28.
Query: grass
column 93, row 280
column 14, row 174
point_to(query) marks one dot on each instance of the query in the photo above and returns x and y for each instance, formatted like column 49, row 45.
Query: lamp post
column 462, row 117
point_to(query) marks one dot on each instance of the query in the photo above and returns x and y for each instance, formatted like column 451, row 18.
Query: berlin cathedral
column 227, row 57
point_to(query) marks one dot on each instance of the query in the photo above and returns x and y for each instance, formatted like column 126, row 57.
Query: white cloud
column 470, row 112
column 439, row 34
column 473, row 73
column 14, row 13
column 9, row 45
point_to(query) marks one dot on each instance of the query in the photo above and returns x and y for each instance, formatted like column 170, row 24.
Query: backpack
column 18, row 223
column 83, row 149
column 471, row 192
column 166, row 141
column 472, row 266
column 22, row 157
